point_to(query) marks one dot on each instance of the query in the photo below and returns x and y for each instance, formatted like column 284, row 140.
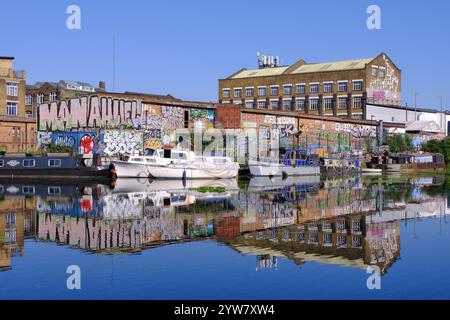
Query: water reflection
column 348, row 222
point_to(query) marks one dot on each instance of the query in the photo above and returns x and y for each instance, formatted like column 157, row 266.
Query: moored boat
column 293, row 163
column 176, row 164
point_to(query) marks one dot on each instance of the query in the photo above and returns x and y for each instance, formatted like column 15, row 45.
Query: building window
column 226, row 93
column 343, row 86
column 357, row 102
column 249, row 104
column 374, row 71
column 314, row 88
column 342, row 104
column 2, row 163
column 357, row 85
column 328, row 103
column 40, row 98
column 262, row 91
column 274, row 91
column 10, row 218
column 300, row 104
column 262, row 104
column 53, row 96
column 314, row 104
column 301, row 88
column 237, row 93
column 287, row 104
column 249, row 92
column 28, row 190
column 287, row 89
column 54, row 163
column 11, row 108
column 274, row 104
column 328, row 87
column 12, row 89
column 28, row 100
column 381, row 72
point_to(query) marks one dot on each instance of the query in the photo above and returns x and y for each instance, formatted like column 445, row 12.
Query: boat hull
column 260, row 169
column 125, row 169
column 174, row 172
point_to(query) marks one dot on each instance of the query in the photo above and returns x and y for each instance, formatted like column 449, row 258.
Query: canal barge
column 292, row 163
column 408, row 162
column 57, row 165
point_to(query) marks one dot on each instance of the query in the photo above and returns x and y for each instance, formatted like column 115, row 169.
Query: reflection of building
column 17, row 222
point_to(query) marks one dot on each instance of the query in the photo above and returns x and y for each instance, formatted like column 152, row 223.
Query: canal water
column 365, row 237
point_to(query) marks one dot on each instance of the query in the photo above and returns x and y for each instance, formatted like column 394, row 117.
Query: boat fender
column 184, row 175
column 285, row 175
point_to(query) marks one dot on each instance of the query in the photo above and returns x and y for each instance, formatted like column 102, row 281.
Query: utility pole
column 415, row 106
column 442, row 124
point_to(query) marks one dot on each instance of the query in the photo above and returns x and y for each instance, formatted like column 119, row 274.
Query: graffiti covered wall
column 89, row 113
column 120, row 142
column 83, row 143
column 385, row 88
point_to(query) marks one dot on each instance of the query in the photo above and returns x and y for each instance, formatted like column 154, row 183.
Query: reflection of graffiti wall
column 89, row 112
column 117, row 142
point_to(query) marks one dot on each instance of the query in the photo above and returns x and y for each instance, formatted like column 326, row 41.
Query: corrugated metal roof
column 333, row 66
column 306, row 68
column 260, row 73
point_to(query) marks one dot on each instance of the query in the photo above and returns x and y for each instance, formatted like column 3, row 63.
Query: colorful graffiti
column 83, row 143
column 202, row 118
column 120, row 142
column 89, row 112
column 387, row 87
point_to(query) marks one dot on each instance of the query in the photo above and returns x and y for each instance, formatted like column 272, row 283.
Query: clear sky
column 183, row 47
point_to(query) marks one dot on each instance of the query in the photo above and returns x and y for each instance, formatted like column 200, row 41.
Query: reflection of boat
column 266, row 183
column 145, row 185
column 293, row 163
column 175, row 164
column 371, row 171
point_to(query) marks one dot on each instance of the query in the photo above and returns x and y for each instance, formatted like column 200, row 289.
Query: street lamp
column 442, row 124
column 415, row 106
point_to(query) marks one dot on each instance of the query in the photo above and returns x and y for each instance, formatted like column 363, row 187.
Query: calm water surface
column 299, row 238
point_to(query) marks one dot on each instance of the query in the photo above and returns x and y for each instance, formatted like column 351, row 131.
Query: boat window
column 150, row 160
column 28, row 190
column 2, row 163
column 29, row 163
column 166, row 202
column 54, row 191
column 167, row 154
column 137, row 159
column 54, row 163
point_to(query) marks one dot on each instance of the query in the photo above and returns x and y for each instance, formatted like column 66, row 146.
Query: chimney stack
column 102, row 85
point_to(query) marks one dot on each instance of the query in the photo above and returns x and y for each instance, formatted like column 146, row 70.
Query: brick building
column 17, row 132
column 330, row 89
column 44, row 92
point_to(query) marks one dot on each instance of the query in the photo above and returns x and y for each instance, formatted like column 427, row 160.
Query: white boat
column 176, row 164
column 293, row 163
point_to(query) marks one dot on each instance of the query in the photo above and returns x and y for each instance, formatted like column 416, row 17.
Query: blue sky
column 183, row 47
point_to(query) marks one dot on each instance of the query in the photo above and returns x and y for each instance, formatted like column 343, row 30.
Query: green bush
column 52, row 148
column 400, row 143
column 438, row 146
column 2, row 150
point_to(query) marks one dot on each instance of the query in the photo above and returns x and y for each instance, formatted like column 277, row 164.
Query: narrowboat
column 408, row 162
column 50, row 166
column 292, row 162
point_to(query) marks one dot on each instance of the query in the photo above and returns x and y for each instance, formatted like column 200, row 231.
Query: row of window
column 52, row 97
column 31, row 163
column 328, row 87
column 300, row 104
column 29, row 190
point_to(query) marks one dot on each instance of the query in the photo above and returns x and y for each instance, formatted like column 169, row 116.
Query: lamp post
column 415, row 106
column 441, row 124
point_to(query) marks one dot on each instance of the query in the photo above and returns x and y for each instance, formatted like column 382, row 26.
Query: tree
column 400, row 143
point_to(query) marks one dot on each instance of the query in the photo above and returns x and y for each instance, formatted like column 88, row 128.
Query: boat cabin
column 298, row 158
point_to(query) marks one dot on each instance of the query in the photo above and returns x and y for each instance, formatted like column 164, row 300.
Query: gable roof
column 423, row 126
